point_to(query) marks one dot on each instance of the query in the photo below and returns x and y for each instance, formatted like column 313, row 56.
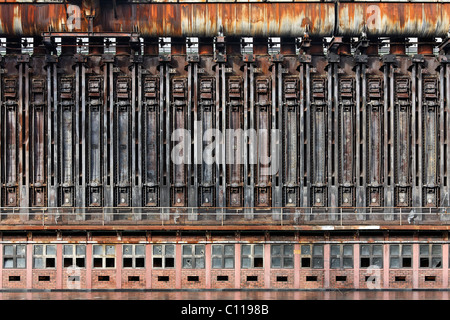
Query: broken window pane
column 9, row 250
column 169, row 262
column 157, row 250
column 127, row 249
column 229, row 250
column 81, row 250
column 9, row 263
column 406, row 262
column 157, row 262
column 306, row 262
column 216, row 263
column 395, row 263
column 199, row 250
column 424, row 249
column 68, row 250
column 276, row 250
column 127, row 262
column 216, row 250
column 98, row 250
column 110, row 250
column 258, row 250
column 50, row 262
column 187, row 263
column 187, row 250
column 306, row 250
column 335, row 250
column 365, row 262
column 276, row 262
column 365, row 250
column 80, row 262
column 38, row 250
column 246, row 250
column 140, row 263
column 406, row 250
column 424, row 262
column 229, row 263
column 436, row 262
column 109, row 262
column 318, row 250
column 50, row 250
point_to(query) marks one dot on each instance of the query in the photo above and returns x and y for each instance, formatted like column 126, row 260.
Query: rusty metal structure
column 354, row 95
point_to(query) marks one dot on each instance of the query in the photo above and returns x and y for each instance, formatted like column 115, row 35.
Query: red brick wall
column 75, row 285
column 289, row 273
column 200, row 284
column 163, row 284
column 44, row 284
column 222, row 284
column 133, row 284
column 22, row 284
column 252, row 284
column 111, row 284
column 430, row 284
column 319, row 273
column 377, row 284
column 407, row 273
column 348, row 284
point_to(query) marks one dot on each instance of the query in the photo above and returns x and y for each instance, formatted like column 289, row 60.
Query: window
column 371, row 255
column 133, row 256
column 341, row 256
column 44, row 256
column 163, row 256
column 252, row 256
column 312, row 253
column 223, row 256
column 400, row 256
column 193, row 256
column 74, row 255
column 282, row 256
column 430, row 255
column 104, row 255
column 14, row 256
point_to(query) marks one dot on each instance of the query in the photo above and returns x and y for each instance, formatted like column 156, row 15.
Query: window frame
column 312, row 256
column 282, row 256
column 44, row 256
column 74, row 256
column 163, row 256
column 371, row 255
column 430, row 256
column 400, row 255
column 252, row 256
column 222, row 256
column 341, row 256
column 14, row 256
column 193, row 256
column 133, row 256
column 103, row 256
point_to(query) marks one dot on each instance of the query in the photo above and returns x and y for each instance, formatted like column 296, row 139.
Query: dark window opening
column 424, row 262
column 103, row 278
column 140, row 262
column 110, row 262
column 311, row 278
column 170, row 262
column 252, row 278
column 341, row 278
column 365, row 262
column 14, row 278
column 192, row 278
column 371, row 278
column 74, row 278
column 67, row 262
column 44, row 278
column 133, row 278
column 127, row 263
column 306, row 262
column 258, row 262
column 80, row 262
column 400, row 278
column 50, row 262
column 157, row 262
column 163, row 278
column 282, row 279
column 407, row 263
column 97, row 262
column 430, row 278
column 222, row 278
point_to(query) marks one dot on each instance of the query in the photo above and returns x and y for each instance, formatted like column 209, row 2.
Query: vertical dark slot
column 136, row 149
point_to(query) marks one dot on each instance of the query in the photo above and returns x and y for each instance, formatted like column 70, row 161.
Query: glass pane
column 348, row 250
column 110, row 250
column 127, row 249
column 139, row 250
column 258, row 250
column 288, row 262
column 38, row 263
column 318, row 263
column 217, row 250
column 9, row 263
column 229, row 250
column 50, row 250
column 276, row 249
column 246, row 250
column 9, row 250
column 246, row 263
column 436, row 249
column 335, row 250
column 199, row 250
column 306, row 249
column 394, row 250
column 318, row 250
column 395, row 263
column 38, row 250
column 436, row 263
column 377, row 250
column 81, row 250
column 68, row 250
column 187, row 263
column 20, row 250
column 276, row 262
column 335, row 263
column 365, row 250
column 229, row 263
column 199, row 263
column 424, row 249
column 288, row 250
column 98, row 250
column 216, row 263
column 377, row 262
column 187, row 250
column 170, row 249
column 348, row 263
column 157, row 250
column 21, row 263
column 406, row 250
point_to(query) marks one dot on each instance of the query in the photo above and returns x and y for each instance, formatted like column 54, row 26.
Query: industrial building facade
column 224, row 144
